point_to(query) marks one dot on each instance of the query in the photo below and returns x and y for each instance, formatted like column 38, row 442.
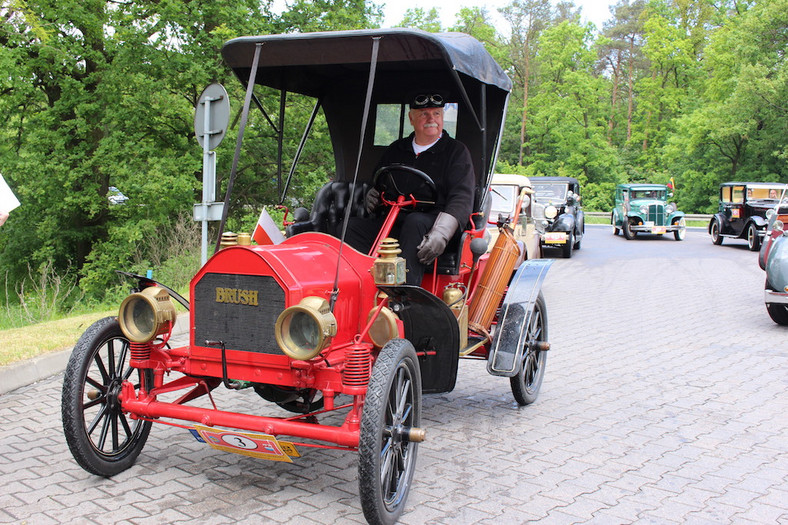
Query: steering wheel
column 408, row 181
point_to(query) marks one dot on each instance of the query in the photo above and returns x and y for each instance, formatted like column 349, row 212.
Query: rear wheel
column 300, row 401
column 753, row 241
column 714, row 230
column 528, row 381
column 387, row 456
column 102, row 439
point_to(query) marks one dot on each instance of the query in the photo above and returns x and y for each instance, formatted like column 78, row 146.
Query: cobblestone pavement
column 663, row 402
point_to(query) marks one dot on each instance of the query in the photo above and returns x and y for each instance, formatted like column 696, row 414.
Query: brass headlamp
column 304, row 329
column 147, row 314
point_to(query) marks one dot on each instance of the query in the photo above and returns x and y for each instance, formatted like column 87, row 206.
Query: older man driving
column 423, row 236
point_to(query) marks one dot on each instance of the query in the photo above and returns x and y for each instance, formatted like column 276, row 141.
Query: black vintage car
column 742, row 211
column 557, row 212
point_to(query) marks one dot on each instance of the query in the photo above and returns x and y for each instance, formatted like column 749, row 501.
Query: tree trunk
column 631, row 87
column 526, row 76
column 614, row 99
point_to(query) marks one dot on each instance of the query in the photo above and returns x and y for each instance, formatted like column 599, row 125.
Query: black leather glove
column 371, row 200
column 433, row 244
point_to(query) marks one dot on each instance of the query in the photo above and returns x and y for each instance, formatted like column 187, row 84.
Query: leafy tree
column 569, row 126
column 527, row 19
column 622, row 61
column 418, row 18
column 303, row 16
column 101, row 94
column 738, row 129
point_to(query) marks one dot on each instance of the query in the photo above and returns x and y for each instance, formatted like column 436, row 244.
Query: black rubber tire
column 682, row 231
column 627, row 228
column 392, row 404
column 714, row 231
column 613, row 222
column 526, row 384
column 778, row 312
column 753, row 241
column 299, row 401
column 102, row 439
column 567, row 248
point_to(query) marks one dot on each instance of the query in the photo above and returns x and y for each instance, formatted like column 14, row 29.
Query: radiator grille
column 240, row 310
column 656, row 213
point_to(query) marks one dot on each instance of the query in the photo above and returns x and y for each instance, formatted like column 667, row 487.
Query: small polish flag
column 266, row 231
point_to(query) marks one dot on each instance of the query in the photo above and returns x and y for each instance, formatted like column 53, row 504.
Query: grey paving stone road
column 664, row 402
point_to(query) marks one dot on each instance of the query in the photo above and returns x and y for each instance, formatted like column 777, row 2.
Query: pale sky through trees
column 596, row 11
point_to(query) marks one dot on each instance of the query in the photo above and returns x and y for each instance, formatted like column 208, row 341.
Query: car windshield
column 504, row 197
column 550, row 192
column 765, row 192
column 647, row 194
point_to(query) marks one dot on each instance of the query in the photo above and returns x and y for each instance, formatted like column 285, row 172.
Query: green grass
column 25, row 342
column 17, row 344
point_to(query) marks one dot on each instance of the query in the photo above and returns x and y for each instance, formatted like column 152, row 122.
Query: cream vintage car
column 506, row 191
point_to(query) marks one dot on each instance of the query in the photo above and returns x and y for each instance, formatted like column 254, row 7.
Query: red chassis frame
column 342, row 368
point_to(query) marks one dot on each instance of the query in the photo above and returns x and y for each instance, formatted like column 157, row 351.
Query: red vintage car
column 310, row 324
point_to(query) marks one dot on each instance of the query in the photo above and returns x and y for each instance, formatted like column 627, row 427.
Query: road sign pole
column 211, row 118
column 208, row 181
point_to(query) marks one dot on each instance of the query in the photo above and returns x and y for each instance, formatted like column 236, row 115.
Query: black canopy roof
column 334, row 67
column 310, row 63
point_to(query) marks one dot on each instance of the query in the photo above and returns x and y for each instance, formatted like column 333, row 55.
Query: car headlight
column 303, row 330
column 644, row 209
column 146, row 314
column 670, row 208
column 779, row 226
column 550, row 211
column 384, row 328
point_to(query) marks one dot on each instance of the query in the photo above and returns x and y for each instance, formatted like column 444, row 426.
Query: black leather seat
column 328, row 211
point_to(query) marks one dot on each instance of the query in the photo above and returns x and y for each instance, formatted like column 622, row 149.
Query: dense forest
column 100, row 94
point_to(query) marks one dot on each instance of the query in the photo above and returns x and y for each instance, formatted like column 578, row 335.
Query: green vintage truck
column 644, row 208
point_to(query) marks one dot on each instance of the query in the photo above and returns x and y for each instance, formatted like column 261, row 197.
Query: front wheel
column 682, row 231
column 778, row 312
column 102, row 439
column 387, row 456
column 628, row 233
column 753, row 240
column 526, row 384
column 567, row 249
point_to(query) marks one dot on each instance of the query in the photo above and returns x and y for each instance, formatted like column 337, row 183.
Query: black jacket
column 449, row 165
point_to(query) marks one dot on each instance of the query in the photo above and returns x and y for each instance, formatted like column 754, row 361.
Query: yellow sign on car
column 555, row 237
